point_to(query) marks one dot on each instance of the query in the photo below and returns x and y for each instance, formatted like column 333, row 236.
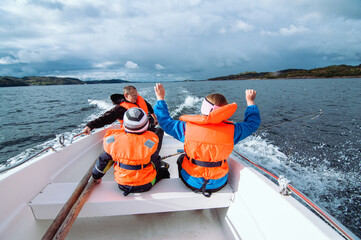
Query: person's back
column 208, row 138
column 134, row 151
column 208, row 142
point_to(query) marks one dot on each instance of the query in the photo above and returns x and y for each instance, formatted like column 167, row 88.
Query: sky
column 168, row 40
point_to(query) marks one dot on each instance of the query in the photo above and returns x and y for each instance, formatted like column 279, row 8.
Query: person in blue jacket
column 178, row 129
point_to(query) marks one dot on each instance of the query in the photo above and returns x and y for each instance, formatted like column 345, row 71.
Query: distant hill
column 105, row 81
column 335, row 71
column 11, row 82
column 37, row 81
column 7, row 81
column 51, row 81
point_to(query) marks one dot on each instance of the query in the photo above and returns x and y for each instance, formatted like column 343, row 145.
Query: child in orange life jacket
column 208, row 138
column 134, row 152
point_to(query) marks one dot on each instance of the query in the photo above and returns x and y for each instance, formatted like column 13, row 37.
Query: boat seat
column 168, row 195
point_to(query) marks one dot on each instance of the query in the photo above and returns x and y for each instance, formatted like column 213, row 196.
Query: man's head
column 130, row 93
column 212, row 102
column 135, row 120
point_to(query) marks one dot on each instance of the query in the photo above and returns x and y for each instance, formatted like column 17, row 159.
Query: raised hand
column 159, row 91
column 250, row 96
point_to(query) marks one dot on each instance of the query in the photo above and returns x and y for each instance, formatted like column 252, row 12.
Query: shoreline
column 284, row 78
column 221, row 79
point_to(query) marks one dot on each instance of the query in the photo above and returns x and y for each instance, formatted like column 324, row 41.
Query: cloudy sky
column 175, row 39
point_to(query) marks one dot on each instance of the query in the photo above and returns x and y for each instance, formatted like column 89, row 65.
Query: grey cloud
column 196, row 39
column 51, row 5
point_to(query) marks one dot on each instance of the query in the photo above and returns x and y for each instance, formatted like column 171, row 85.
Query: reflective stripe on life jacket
column 208, row 139
column 133, row 153
column 140, row 103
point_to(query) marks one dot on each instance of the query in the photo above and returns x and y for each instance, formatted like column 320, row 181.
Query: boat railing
column 4, row 169
column 61, row 141
column 286, row 189
column 77, row 135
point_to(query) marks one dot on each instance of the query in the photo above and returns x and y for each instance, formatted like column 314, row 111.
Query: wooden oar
column 75, row 210
column 50, row 233
column 172, row 155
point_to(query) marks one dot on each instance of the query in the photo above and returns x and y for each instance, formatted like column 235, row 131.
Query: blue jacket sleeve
column 175, row 128
column 250, row 124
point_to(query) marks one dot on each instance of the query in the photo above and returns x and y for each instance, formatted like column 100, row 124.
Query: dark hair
column 217, row 99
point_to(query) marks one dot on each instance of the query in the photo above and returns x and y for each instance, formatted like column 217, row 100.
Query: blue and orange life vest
column 132, row 154
column 140, row 103
column 209, row 140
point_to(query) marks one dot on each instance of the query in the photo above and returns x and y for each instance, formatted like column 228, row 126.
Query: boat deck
column 198, row 224
column 256, row 209
column 172, row 220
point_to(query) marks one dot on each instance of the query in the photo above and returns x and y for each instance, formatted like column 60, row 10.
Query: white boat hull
column 254, row 209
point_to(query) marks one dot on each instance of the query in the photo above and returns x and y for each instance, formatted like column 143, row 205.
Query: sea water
column 320, row 154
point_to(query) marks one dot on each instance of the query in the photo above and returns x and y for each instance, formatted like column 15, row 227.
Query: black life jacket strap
column 132, row 167
column 126, row 192
column 205, row 164
column 203, row 189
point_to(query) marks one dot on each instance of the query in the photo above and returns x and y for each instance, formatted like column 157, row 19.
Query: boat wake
column 333, row 189
column 100, row 105
column 28, row 153
column 189, row 103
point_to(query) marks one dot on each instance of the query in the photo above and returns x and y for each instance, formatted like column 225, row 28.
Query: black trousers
column 105, row 162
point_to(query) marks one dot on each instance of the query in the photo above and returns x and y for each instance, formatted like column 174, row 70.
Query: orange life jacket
column 140, row 103
column 209, row 140
column 132, row 154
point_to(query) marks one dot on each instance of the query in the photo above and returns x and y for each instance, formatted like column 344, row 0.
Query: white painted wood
column 168, row 195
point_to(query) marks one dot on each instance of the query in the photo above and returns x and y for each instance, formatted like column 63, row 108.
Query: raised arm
column 252, row 118
column 173, row 127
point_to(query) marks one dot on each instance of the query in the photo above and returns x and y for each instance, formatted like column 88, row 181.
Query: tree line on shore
column 6, row 81
column 335, row 71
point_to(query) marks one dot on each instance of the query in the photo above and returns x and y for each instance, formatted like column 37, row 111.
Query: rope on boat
column 288, row 188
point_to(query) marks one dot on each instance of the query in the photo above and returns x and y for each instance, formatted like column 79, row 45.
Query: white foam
column 261, row 151
column 30, row 152
column 189, row 102
column 101, row 104
column 317, row 182
column 148, row 94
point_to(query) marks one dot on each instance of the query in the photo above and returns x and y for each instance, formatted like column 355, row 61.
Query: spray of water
column 101, row 106
column 316, row 181
column 189, row 102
